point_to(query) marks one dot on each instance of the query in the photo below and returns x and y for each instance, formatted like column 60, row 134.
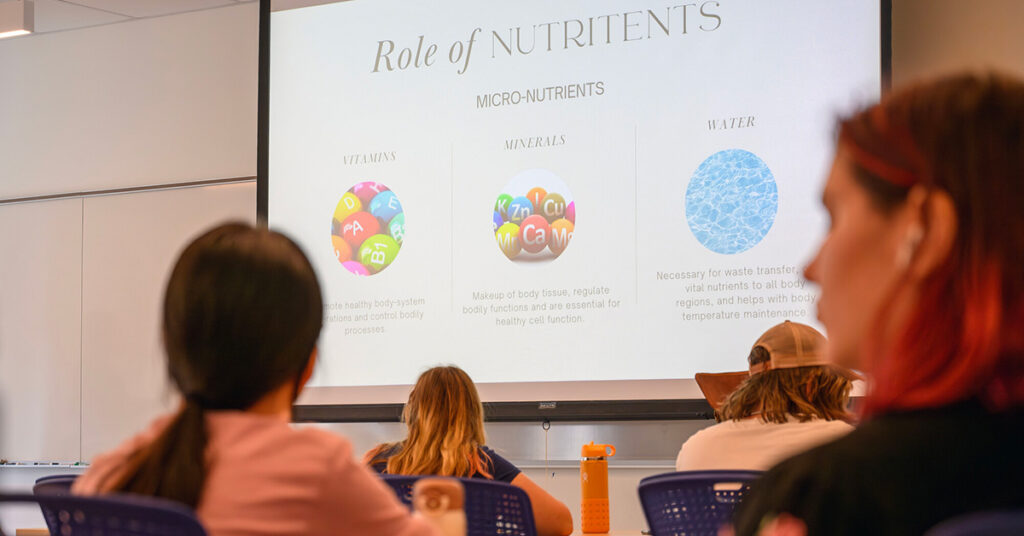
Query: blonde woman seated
column 790, row 401
column 446, row 437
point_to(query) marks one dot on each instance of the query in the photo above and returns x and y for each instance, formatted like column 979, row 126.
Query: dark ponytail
column 242, row 314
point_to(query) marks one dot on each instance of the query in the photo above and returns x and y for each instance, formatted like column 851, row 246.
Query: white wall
column 933, row 37
column 153, row 101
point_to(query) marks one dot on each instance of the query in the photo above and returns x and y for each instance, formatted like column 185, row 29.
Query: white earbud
column 909, row 246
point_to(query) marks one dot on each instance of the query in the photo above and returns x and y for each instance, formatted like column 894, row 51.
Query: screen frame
column 320, row 406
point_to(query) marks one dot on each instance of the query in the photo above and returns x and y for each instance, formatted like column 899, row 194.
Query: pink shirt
column 267, row 478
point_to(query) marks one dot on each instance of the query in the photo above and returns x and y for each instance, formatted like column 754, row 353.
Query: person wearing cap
column 788, row 401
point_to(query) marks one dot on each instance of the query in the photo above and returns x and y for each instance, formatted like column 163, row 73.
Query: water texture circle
column 731, row 201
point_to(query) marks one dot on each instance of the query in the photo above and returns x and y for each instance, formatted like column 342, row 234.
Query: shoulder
column 258, row 450
column 377, row 457
column 501, row 469
column 816, row 431
column 106, row 467
column 324, row 441
column 705, row 437
column 713, row 431
column 246, row 435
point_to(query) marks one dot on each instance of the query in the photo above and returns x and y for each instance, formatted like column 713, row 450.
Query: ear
column 307, row 372
column 936, row 230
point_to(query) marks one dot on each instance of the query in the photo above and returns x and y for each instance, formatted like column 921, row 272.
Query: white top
column 754, row 445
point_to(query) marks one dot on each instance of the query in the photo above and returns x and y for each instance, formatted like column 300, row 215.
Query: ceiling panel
column 150, row 8
column 54, row 15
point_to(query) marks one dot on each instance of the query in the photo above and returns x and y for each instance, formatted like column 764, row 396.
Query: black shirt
column 899, row 473
column 501, row 469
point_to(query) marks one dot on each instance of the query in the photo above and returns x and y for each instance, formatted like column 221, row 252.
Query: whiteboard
column 129, row 245
column 40, row 330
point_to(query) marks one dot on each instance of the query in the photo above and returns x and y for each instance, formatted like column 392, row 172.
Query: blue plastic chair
column 112, row 515
column 491, row 507
column 692, row 503
column 995, row 523
column 54, row 484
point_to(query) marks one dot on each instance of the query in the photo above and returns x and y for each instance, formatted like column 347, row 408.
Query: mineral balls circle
column 501, row 205
column 534, row 233
column 508, row 239
column 552, row 207
column 519, row 209
column 536, row 195
column 731, row 201
column 561, row 234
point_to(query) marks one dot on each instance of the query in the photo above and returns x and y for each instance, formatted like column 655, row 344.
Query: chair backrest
column 54, row 484
column 693, row 503
column 491, row 507
column 113, row 515
column 995, row 523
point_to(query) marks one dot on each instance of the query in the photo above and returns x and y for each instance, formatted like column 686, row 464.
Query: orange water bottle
column 594, row 513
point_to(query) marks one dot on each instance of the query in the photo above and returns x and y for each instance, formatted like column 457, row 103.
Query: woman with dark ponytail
column 242, row 314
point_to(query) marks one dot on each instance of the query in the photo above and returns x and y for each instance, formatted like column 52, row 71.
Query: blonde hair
column 445, row 419
column 774, row 395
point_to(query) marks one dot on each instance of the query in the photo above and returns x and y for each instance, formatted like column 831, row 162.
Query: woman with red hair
column 922, row 288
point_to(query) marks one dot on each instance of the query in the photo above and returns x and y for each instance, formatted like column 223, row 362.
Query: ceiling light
column 16, row 18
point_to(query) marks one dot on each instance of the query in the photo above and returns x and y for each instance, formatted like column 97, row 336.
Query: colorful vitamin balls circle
column 396, row 227
column 342, row 251
column 358, row 227
column 731, row 201
column 367, row 228
column 367, row 190
column 348, row 205
column 355, row 267
column 534, row 233
column 385, row 206
column 377, row 252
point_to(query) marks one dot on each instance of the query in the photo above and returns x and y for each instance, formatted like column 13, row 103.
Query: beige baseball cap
column 789, row 345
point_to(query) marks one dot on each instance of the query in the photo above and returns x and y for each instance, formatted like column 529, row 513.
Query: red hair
column 965, row 337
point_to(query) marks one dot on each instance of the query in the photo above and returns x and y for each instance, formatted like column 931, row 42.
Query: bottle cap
column 598, row 451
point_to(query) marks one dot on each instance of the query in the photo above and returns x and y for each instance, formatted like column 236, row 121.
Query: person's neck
column 277, row 403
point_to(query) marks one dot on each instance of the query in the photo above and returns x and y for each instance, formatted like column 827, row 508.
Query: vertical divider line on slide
column 636, row 225
column 451, row 230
